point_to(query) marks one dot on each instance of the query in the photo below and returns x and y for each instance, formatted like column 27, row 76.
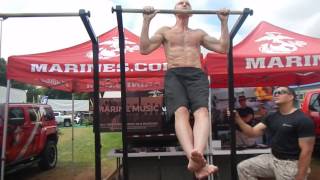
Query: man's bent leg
column 285, row 169
column 256, row 167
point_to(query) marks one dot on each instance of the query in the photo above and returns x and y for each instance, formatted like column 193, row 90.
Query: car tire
column 49, row 156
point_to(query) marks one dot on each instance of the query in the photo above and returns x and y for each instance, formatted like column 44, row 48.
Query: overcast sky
column 35, row 35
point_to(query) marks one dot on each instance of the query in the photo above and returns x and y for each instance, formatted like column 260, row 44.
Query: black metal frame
column 245, row 13
column 175, row 11
column 95, row 49
column 96, row 90
column 123, row 94
column 234, row 31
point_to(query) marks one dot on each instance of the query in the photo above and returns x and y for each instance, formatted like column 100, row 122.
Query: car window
column 49, row 115
column 1, row 114
column 315, row 102
column 34, row 114
column 15, row 113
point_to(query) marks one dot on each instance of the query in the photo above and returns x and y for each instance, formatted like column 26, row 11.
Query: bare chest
column 189, row 38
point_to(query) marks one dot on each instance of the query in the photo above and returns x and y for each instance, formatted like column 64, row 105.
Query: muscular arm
column 219, row 46
column 147, row 45
column 306, row 145
column 255, row 131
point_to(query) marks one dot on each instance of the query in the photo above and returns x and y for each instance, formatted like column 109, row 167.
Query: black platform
column 172, row 164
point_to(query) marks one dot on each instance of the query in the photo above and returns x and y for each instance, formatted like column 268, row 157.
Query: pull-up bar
column 175, row 11
column 10, row 15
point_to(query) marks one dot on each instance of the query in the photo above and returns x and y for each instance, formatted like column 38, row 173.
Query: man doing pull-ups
column 186, row 85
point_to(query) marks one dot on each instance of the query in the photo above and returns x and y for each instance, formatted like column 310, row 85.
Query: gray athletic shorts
column 185, row 86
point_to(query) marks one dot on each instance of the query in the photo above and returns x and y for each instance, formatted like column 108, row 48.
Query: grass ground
column 83, row 163
column 84, row 146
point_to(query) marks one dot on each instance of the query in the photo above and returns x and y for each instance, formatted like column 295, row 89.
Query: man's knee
column 201, row 110
column 242, row 166
column 182, row 110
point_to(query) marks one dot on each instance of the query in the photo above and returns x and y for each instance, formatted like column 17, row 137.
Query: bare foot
column 206, row 171
column 196, row 161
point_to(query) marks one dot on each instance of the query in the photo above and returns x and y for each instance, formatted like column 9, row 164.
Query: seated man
column 292, row 143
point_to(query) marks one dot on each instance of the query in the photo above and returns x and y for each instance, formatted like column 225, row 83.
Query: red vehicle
column 32, row 136
column 311, row 107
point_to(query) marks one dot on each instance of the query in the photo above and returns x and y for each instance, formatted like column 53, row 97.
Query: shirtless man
column 186, row 85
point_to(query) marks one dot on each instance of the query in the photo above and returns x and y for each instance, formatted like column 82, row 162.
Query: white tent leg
column 5, row 125
column 72, row 134
column 72, row 122
column 210, row 148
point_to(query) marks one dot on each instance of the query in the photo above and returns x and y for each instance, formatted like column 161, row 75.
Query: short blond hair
column 180, row 1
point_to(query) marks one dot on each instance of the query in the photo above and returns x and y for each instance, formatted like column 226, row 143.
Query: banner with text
column 144, row 114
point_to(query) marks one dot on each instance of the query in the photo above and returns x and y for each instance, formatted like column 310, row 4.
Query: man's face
column 242, row 102
column 282, row 95
column 183, row 5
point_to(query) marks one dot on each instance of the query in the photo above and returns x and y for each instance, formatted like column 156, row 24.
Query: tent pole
column 72, row 134
column 5, row 127
column 233, row 32
column 96, row 87
column 1, row 20
column 123, row 94
column 210, row 148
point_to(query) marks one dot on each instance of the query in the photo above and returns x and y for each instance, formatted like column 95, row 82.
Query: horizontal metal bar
column 172, row 11
column 9, row 15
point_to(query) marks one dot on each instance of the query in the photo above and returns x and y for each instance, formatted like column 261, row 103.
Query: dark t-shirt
column 285, row 130
column 245, row 111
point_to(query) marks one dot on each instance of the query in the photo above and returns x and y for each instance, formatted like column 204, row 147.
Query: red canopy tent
column 268, row 56
column 71, row 69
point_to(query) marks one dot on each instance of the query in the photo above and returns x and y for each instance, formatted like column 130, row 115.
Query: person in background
column 292, row 140
column 245, row 111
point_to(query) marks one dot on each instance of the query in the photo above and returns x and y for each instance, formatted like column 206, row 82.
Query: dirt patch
column 59, row 173
column 315, row 169
column 88, row 173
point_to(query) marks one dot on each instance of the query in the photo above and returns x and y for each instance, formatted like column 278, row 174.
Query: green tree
column 3, row 70
column 57, row 94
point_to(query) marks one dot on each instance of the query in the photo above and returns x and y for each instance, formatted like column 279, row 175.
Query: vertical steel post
column 235, row 29
column 96, row 90
column 123, row 94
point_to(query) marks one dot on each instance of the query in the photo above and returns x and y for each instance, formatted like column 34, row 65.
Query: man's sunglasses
column 280, row 92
